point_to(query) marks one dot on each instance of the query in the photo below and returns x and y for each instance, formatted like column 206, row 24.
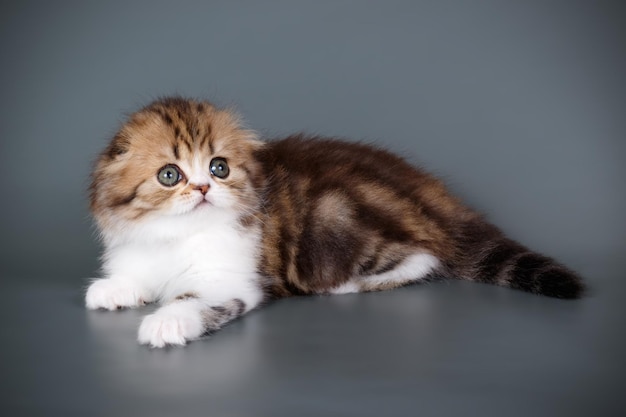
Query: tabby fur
column 296, row 216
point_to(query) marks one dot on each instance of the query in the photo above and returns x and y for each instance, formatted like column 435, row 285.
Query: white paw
column 173, row 324
column 112, row 295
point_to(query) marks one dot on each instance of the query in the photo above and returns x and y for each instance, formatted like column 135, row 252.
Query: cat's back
column 328, row 163
column 332, row 161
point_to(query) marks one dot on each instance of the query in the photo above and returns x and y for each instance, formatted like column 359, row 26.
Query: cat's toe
column 169, row 326
column 112, row 295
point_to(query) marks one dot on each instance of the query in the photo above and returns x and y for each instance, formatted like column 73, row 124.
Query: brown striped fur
column 328, row 210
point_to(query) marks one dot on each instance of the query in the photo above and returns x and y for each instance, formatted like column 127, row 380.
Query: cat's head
column 175, row 158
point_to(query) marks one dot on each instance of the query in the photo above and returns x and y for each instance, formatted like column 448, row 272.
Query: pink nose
column 202, row 188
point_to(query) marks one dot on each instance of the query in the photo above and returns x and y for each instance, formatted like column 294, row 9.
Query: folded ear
column 230, row 117
column 254, row 142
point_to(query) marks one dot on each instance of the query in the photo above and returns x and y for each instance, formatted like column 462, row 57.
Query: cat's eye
column 219, row 168
column 169, row 175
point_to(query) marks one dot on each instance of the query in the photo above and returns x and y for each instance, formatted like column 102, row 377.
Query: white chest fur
column 209, row 255
column 202, row 267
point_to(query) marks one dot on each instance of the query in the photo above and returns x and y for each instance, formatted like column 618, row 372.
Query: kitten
column 199, row 215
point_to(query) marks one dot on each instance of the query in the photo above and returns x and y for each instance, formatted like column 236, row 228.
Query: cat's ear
column 248, row 136
column 118, row 146
column 254, row 142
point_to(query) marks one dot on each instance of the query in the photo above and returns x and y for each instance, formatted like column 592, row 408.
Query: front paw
column 173, row 324
column 113, row 294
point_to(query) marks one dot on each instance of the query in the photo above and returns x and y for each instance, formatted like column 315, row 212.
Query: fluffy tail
column 486, row 255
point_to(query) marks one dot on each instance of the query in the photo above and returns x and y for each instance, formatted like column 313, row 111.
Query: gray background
column 519, row 105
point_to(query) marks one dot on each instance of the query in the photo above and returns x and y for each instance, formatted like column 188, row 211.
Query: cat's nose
column 204, row 188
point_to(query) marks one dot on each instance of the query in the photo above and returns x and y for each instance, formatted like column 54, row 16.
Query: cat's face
column 175, row 158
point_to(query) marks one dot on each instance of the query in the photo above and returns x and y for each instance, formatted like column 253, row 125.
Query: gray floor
column 518, row 105
column 439, row 349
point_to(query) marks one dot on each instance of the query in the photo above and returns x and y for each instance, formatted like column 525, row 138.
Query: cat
column 198, row 214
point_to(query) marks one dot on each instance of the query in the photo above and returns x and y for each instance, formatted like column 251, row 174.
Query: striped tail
column 492, row 258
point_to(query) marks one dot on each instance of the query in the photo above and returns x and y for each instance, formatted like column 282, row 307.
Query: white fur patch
column 346, row 288
column 112, row 294
column 173, row 324
column 205, row 252
column 413, row 268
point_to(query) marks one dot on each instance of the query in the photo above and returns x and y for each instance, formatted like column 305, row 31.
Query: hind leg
column 411, row 269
